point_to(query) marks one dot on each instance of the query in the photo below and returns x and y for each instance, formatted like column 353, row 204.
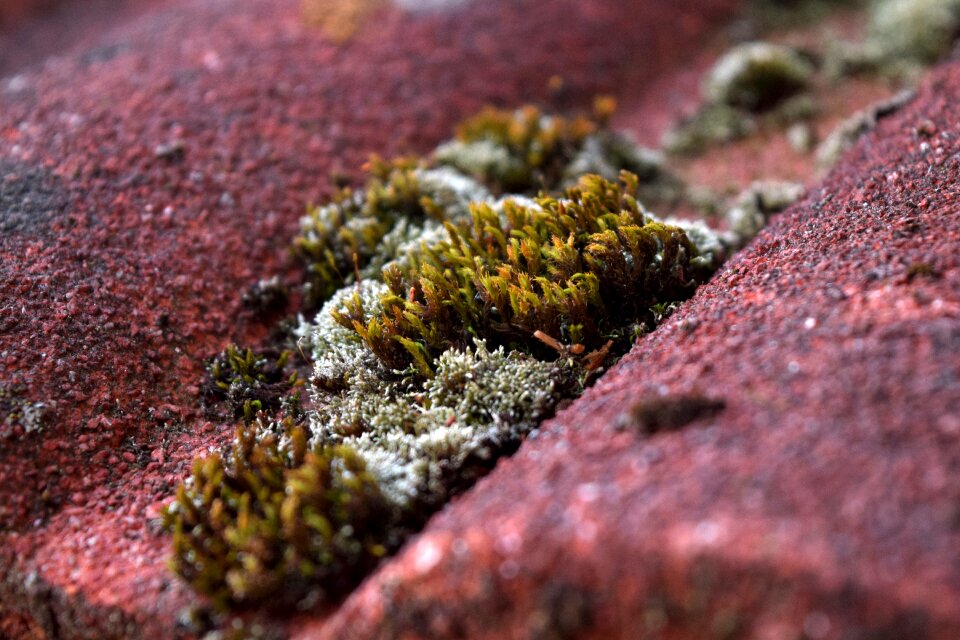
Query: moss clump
column 405, row 201
column 757, row 76
column 346, row 237
column 275, row 518
column 289, row 513
column 918, row 30
column 516, row 151
column 752, row 84
column 712, row 124
column 525, row 151
column 249, row 382
column 550, row 267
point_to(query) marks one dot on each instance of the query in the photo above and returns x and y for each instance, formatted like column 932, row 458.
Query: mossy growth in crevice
column 273, row 518
column 902, row 38
column 523, row 273
column 250, row 382
column 453, row 319
column 19, row 416
column 527, row 152
column 753, row 85
column 522, row 152
column 339, row 239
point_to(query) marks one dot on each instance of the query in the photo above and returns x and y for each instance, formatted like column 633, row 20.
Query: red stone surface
column 13, row 11
column 823, row 502
column 122, row 268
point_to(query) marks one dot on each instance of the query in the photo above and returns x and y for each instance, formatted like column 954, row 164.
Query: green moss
column 355, row 232
column 290, row 511
column 250, row 382
column 756, row 76
column 516, row 151
column 753, row 85
column 525, row 151
column 918, row 30
column 275, row 518
column 543, row 268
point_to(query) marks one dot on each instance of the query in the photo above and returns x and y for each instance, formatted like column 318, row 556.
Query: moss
column 340, row 240
column 452, row 324
column 526, row 151
column 515, row 151
column 250, row 382
column 756, row 76
column 316, row 510
column 918, row 30
column 548, row 267
column 753, row 85
column 712, row 124
column 275, row 518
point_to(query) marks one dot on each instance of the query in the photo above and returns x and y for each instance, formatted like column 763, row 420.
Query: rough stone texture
column 122, row 265
column 13, row 11
column 822, row 502
column 32, row 30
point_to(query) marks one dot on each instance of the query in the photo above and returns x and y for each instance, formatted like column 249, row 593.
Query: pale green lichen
column 420, row 441
column 17, row 411
column 754, row 206
column 338, row 353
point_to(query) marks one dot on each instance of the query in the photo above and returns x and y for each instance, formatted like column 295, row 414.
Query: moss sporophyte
column 453, row 319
